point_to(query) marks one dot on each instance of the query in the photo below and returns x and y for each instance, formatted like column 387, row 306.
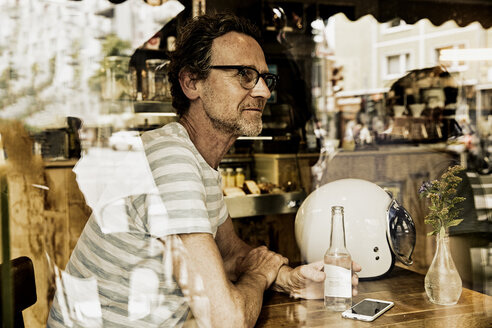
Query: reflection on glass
column 114, row 217
column 78, row 300
column 158, row 219
column 144, row 295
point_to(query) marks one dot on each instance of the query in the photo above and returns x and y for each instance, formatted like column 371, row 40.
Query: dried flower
column 425, row 187
column 442, row 195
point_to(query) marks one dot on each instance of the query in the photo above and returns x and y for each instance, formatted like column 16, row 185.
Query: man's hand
column 263, row 262
column 307, row 281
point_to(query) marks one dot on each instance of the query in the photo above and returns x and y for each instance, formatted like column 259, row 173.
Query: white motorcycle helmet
column 377, row 228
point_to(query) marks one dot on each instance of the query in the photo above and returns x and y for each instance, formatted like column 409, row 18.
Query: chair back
column 23, row 288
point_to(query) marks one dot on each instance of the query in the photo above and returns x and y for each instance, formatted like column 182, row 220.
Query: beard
column 240, row 125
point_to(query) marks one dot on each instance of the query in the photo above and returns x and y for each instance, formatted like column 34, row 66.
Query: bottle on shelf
column 158, row 89
column 239, row 177
column 230, row 177
column 337, row 266
column 145, row 85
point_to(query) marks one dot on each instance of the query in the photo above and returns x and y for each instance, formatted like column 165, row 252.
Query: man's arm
column 214, row 300
column 231, row 248
column 305, row 281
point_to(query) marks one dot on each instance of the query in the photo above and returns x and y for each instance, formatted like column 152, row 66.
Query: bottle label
column 338, row 282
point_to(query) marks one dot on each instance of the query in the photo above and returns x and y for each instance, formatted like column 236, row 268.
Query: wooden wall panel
column 30, row 230
column 42, row 222
column 274, row 231
column 45, row 223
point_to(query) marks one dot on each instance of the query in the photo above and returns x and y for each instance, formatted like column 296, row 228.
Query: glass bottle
column 230, row 178
column 151, row 65
column 239, row 177
column 338, row 266
column 145, row 86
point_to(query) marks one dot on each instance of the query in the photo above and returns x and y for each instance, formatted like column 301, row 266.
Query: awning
column 463, row 12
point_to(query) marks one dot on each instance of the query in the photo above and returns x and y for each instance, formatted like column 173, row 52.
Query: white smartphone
column 367, row 309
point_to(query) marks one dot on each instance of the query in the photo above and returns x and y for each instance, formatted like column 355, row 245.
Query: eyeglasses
column 249, row 76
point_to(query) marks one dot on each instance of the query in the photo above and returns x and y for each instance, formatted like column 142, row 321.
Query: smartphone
column 367, row 309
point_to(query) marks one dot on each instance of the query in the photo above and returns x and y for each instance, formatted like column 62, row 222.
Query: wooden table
column 412, row 307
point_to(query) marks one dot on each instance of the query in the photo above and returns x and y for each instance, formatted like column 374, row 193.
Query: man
column 178, row 251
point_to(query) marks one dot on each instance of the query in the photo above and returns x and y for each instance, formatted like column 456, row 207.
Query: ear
column 188, row 84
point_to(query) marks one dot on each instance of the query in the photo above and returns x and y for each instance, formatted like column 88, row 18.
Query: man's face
column 232, row 108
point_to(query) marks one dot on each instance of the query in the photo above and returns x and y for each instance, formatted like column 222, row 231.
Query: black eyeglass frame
column 258, row 75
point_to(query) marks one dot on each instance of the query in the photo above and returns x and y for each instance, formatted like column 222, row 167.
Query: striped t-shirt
column 124, row 278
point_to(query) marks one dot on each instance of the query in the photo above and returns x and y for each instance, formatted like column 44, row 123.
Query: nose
column 261, row 89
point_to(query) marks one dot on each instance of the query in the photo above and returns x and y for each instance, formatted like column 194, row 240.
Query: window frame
column 404, row 64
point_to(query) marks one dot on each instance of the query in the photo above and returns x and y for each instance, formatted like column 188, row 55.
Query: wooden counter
column 412, row 307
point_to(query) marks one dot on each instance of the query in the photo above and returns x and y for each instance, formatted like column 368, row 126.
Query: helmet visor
column 400, row 232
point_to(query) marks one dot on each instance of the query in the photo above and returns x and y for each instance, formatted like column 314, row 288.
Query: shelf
column 153, row 107
column 64, row 163
column 255, row 205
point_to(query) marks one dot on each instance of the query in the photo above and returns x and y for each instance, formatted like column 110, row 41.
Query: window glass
column 394, row 66
column 74, row 102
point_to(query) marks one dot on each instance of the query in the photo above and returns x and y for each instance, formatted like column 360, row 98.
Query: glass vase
column 442, row 281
